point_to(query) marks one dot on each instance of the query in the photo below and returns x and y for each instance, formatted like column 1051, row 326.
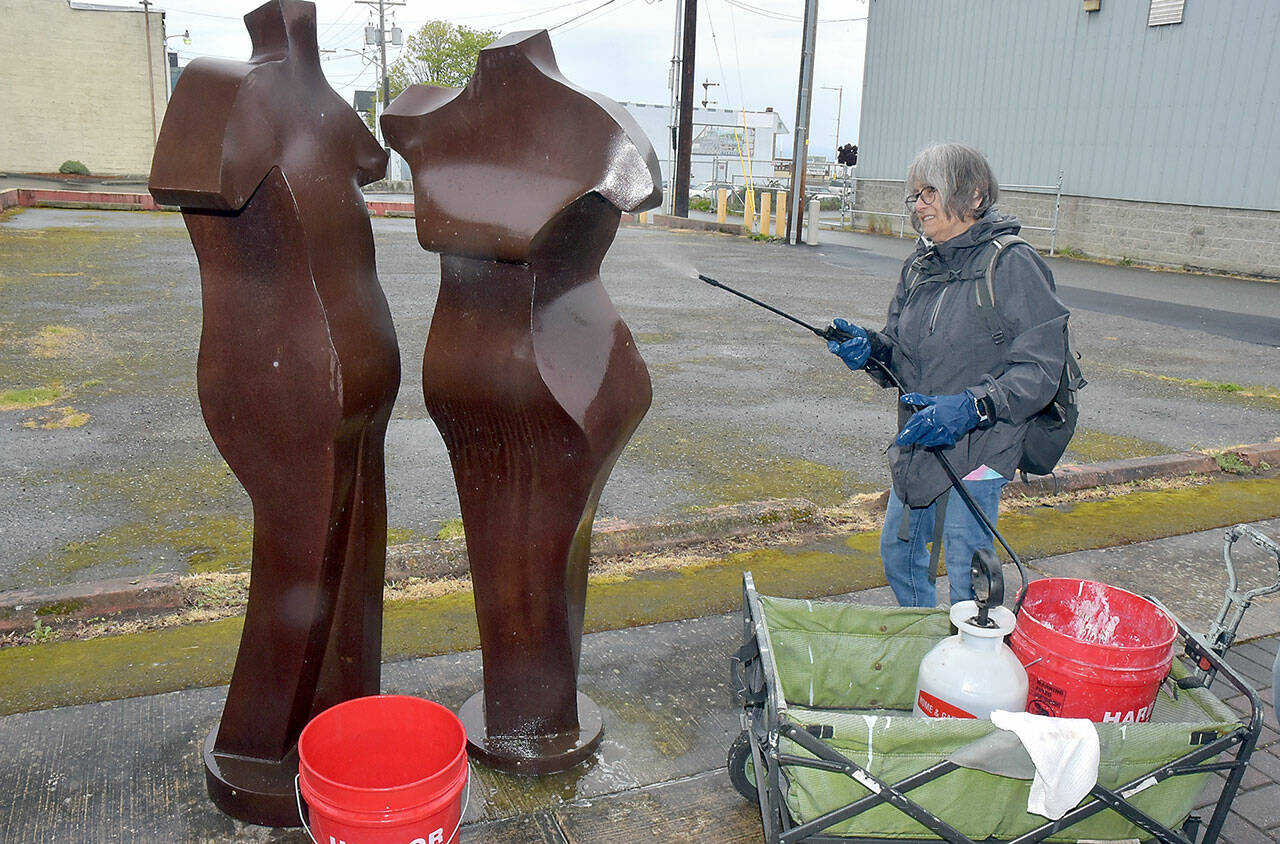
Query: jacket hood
column 985, row 229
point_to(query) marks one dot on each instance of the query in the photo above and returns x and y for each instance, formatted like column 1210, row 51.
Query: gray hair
column 957, row 172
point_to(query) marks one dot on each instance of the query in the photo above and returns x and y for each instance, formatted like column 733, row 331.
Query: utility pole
column 381, row 33
column 151, row 76
column 673, row 112
column 684, row 135
column 804, row 99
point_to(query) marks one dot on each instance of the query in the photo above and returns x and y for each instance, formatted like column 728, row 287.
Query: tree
column 440, row 53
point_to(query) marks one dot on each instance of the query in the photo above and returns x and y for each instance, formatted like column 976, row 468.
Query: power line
column 625, row 3
column 782, row 16
column 737, row 59
column 584, row 14
column 524, row 17
column 178, row 10
column 171, row 10
column 340, row 22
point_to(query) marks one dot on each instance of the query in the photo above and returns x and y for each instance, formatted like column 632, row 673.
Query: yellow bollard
column 722, row 204
column 749, row 212
column 781, row 225
column 766, row 221
column 644, row 218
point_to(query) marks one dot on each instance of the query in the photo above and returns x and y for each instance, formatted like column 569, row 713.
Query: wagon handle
column 1222, row 633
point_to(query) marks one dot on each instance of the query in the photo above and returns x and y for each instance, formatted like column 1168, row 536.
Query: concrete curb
column 133, row 597
column 133, row 201
column 614, row 537
column 98, row 200
column 121, row 597
column 670, row 222
column 387, row 208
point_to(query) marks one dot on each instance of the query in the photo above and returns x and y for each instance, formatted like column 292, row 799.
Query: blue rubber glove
column 940, row 421
column 854, row 351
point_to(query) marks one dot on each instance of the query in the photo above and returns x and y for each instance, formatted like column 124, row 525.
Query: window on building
column 727, row 141
column 1165, row 11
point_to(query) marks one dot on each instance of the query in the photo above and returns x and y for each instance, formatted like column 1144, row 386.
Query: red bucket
column 384, row 769
column 1092, row 650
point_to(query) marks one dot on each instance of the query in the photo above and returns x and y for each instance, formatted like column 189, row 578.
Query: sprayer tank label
column 935, row 707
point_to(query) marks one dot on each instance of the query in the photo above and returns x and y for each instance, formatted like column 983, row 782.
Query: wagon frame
column 765, row 723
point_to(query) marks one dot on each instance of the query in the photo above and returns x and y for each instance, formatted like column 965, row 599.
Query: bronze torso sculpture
column 530, row 374
column 297, row 373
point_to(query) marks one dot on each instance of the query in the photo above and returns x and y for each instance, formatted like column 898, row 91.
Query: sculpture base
column 256, row 791
column 535, row 755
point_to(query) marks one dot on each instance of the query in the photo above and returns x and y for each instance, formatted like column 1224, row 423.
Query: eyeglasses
column 927, row 194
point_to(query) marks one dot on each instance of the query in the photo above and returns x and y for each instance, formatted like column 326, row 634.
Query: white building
column 727, row 143
column 81, row 81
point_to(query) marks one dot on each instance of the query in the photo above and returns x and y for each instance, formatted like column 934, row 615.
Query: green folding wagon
column 831, row 752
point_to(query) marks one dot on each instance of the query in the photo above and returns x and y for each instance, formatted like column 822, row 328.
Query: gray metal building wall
column 1183, row 117
column 1183, row 113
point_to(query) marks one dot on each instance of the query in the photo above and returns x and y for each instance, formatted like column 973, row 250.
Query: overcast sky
column 621, row 48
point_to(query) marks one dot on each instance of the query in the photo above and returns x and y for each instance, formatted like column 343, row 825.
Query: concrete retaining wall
column 1194, row 237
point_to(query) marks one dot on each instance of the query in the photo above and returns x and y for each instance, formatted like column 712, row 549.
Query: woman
column 969, row 390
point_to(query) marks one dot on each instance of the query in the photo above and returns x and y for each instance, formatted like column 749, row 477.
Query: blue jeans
column 906, row 562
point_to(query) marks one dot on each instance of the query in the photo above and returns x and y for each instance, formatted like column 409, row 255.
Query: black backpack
column 1050, row 430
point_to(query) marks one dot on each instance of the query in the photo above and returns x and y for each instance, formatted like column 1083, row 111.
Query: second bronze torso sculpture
column 534, row 381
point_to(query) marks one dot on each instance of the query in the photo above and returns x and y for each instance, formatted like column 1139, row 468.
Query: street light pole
column 839, row 89
column 169, row 66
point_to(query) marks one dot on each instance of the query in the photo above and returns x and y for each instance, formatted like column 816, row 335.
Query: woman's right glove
column 854, row 351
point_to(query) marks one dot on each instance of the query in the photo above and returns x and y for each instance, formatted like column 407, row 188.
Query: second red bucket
column 1092, row 650
column 385, row 769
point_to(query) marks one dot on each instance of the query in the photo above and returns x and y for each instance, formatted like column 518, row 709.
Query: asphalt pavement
column 1225, row 306
column 106, row 470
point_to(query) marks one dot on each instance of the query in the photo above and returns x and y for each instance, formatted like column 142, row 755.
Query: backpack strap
column 986, row 289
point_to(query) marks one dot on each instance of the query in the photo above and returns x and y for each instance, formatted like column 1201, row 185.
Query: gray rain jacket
column 936, row 343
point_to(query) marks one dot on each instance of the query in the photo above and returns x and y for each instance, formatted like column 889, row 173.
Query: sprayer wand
column 828, row 333
column 833, row 333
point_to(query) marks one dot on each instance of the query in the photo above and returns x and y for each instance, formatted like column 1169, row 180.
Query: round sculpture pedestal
column 534, row 755
column 255, row 791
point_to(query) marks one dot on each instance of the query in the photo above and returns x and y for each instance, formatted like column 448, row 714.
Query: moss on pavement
column 63, row 673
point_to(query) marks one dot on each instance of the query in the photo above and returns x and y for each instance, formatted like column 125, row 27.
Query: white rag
column 1065, row 752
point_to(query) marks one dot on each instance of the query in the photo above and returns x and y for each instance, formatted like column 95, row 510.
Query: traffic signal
column 848, row 155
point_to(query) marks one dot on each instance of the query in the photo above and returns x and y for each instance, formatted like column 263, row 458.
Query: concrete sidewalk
column 129, row 770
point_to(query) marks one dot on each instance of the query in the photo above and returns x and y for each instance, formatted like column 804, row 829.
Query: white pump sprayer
column 973, row 673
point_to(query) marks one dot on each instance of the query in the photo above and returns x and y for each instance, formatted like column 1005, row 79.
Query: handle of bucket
column 302, row 816
column 297, row 794
column 466, row 801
